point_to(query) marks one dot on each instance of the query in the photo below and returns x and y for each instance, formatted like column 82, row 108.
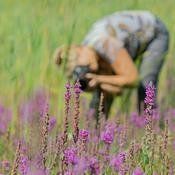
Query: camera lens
column 79, row 74
column 83, row 83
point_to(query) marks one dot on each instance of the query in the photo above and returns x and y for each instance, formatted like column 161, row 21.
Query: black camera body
column 79, row 74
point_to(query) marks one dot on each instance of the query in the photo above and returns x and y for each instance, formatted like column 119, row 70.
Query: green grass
column 31, row 30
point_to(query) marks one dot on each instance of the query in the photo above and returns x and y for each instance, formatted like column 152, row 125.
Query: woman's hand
column 93, row 80
column 102, row 82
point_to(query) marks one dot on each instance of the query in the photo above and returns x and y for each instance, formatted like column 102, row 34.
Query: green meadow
column 32, row 29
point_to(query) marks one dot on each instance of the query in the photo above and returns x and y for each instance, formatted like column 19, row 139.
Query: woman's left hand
column 93, row 80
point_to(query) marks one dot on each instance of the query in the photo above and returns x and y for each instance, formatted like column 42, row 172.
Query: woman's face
column 77, row 56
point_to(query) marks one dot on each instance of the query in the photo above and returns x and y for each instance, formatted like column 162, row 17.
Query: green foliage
column 31, row 30
column 2, row 147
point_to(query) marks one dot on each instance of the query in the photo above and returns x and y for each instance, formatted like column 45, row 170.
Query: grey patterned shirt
column 131, row 29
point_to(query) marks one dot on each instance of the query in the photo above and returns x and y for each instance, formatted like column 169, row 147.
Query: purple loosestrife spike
column 70, row 156
column 44, row 148
column 5, row 118
column 138, row 171
column 94, row 166
column 137, row 120
column 84, row 135
column 81, row 167
column 17, row 160
column 23, row 165
column 5, row 165
column 83, row 138
column 67, row 97
column 39, row 172
column 69, row 173
column 117, row 161
column 77, row 91
column 52, row 123
column 107, row 136
column 150, row 98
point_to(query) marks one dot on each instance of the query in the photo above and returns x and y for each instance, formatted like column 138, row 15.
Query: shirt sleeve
column 108, row 47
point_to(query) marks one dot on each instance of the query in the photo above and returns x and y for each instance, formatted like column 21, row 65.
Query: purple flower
column 111, row 126
column 117, row 161
column 5, row 118
column 68, row 173
column 138, row 171
column 94, row 166
column 23, row 165
column 150, row 98
column 138, row 121
column 38, row 172
column 77, row 88
column 81, row 167
column 35, row 107
column 83, row 135
column 108, row 134
column 6, row 165
column 52, row 123
column 70, row 155
column 68, row 92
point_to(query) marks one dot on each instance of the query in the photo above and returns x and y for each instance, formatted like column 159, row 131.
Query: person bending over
column 106, row 58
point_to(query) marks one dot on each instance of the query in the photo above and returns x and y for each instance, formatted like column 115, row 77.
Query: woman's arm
column 125, row 70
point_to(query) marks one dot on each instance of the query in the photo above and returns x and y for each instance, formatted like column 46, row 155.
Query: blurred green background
column 30, row 31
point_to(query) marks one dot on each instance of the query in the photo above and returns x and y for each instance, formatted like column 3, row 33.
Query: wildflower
column 44, row 137
column 94, row 166
column 52, row 123
column 17, row 159
column 36, row 106
column 23, row 165
column 77, row 88
column 108, row 135
column 81, row 167
column 83, row 135
column 118, row 160
column 67, row 95
column 70, row 156
column 68, row 173
column 77, row 91
column 5, row 165
column 38, row 172
column 137, row 120
column 150, row 98
column 5, row 118
column 138, row 171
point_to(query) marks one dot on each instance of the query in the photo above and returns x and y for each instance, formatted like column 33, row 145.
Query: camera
column 79, row 74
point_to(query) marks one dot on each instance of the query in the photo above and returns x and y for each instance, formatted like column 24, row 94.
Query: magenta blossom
column 6, row 165
column 107, row 136
column 94, row 166
column 52, row 123
column 138, row 121
column 150, row 98
column 5, row 118
column 83, row 135
column 23, row 165
column 69, row 173
column 81, row 167
column 38, row 172
column 138, row 171
column 77, row 87
column 70, row 155
column 117, row 161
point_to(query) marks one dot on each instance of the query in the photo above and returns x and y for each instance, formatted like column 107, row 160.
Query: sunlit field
column 45, row 125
